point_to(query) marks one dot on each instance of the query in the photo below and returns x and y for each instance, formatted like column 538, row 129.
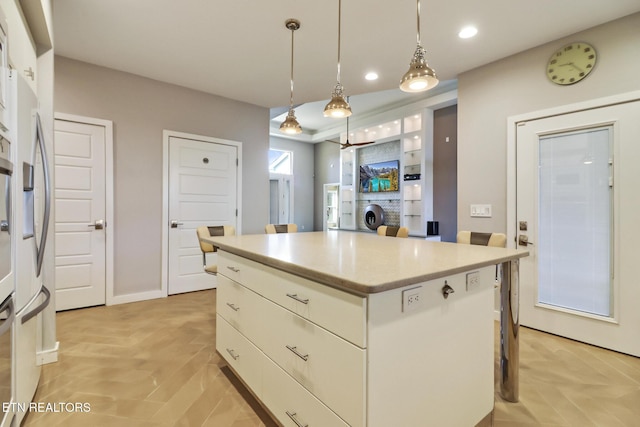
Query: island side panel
column 432, row 365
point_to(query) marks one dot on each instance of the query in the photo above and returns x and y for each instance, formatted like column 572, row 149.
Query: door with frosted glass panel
column 577, row 186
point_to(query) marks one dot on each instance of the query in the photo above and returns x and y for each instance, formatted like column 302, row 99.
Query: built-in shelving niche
column 401, row 139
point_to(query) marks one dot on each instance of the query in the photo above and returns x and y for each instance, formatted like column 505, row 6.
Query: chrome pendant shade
column 420, row 76
column 290, row 125
column 338, row 106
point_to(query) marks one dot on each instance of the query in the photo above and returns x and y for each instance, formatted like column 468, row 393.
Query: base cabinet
column 291, row 403
column 289, row 340
column 242, row 356
column 301, row 371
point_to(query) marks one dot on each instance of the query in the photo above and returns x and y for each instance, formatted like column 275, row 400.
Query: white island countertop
column 362, row 263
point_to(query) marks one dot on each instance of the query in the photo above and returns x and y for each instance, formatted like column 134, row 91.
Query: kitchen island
column 345, row 328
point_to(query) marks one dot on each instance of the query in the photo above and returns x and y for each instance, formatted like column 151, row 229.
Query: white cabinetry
column 297, row 344
column 416, row 170
column 347, row 190
column 4, row 75
column 318, row 356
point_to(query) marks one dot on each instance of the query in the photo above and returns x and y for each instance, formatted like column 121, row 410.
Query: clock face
column 571, row 63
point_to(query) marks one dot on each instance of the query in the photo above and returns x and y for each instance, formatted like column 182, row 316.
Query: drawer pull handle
column 295, row 419
column 233, row 306
column 297, row 298
column 295, row 351
column 235, row 270
column 233, row 354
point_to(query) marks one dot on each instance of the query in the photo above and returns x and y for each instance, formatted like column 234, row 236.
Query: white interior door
column 202, row 191
column 577, row 204
column 80, row 214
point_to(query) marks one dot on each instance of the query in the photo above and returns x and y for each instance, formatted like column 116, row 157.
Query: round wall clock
column 571, row 63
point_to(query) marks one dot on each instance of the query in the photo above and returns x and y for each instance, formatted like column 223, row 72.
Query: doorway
column 331, row 206
column 83, row 156
column 575, row 202
column 202, row 185
column 280, row 199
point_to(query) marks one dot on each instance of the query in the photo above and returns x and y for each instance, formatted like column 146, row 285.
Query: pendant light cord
column 418, row 21
column 291, row 98
column 339, row 30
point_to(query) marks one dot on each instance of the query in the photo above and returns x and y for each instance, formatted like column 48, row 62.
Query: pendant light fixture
column 290, row 126
column 420, row 76
column 338, row 106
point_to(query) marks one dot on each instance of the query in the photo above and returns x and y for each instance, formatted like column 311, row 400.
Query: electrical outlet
column 411, row 299
column 473, row 280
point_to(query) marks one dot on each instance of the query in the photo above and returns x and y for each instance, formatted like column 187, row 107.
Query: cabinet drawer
column 332, row 369
column 240, row 354
column 340, row 312
column 236, row 268
column 287, row 400
column 240, row 307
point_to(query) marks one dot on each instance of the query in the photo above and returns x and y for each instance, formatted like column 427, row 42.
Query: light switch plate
column 481, row 211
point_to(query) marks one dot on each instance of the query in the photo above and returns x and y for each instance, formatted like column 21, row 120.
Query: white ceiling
column 240, row 49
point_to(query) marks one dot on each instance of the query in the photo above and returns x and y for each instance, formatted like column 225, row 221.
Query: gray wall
column 302, row 180
column 327, row 171
column 140, row 109
column 445, row 171
column 488, row 95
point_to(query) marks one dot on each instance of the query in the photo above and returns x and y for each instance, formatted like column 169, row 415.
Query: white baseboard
column 45, row 357
column 141, row 296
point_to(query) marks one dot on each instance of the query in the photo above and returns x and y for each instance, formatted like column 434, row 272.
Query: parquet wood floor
column 153, row 364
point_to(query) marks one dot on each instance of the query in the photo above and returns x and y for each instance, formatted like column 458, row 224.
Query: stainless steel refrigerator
column 31, row 224
column 7, row 283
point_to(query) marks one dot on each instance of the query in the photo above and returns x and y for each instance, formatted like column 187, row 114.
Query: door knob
column 174, row 223
column 99, row 224
column 523, row 240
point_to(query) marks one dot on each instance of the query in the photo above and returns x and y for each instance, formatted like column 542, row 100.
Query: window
column 281, row 162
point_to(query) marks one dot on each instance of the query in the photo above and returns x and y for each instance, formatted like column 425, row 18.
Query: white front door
column 80, row 213
column 577, row 209
column 203, row 180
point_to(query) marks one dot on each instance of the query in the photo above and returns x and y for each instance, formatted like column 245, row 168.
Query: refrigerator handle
column 7, row 306
column 47, row 197
column 33, row 313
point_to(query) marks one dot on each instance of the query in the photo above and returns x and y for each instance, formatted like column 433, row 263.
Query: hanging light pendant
column 290, row 125
column 420, row 76
column 338, row 106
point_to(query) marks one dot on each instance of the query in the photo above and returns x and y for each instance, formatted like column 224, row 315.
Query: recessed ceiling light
column 371, row 76
column 468, row 32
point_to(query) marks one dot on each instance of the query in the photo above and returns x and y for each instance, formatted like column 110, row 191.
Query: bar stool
column 389, row 231
column 206, row 248
column 280, row 228
column 498, row 240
